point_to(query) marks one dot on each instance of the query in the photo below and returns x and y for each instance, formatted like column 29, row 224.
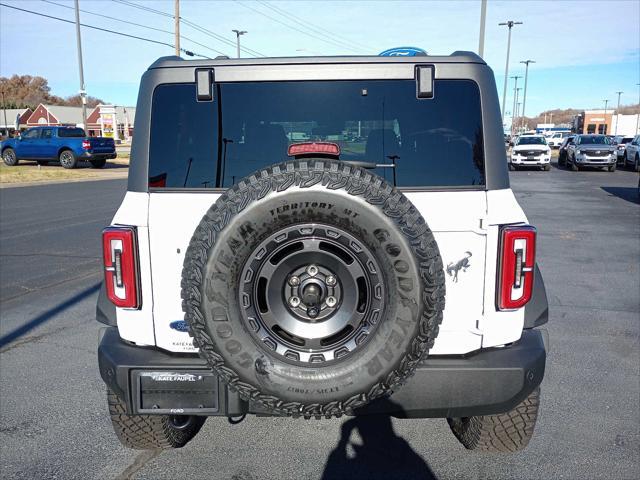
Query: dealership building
column 606, row 122
column 112, row 121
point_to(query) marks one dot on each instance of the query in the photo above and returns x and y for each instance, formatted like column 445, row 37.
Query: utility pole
column 4, row 109
column 483, row 19
column 526, row 76
column 83, row 92
column 617, row 113
column 514, row 120
column 176, row 25
column 604, row 127
column 510, row 24
column 238, row 33
column 515, row 99
column 638, row 114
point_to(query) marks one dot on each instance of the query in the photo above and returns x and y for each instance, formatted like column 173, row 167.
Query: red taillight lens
column 120, row 254
column 86, row 144
column 306, row 148
column 515, row 270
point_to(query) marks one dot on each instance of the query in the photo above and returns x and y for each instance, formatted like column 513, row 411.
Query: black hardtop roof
column 176, row 62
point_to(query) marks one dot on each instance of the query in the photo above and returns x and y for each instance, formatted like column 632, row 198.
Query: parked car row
column 599, row 151
column 67, row 145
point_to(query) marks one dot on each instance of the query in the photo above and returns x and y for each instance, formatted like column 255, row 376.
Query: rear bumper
column 98, row 156
column 489, row 381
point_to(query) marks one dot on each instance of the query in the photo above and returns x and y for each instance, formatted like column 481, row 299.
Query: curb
column 115, row 176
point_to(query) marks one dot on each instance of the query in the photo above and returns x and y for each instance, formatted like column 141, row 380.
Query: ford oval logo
column 180, row 326
column 403, row 52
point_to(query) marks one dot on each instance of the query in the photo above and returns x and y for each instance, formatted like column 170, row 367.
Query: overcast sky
column 585, row 50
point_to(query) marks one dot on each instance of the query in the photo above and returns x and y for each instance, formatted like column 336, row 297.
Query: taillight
column 516, row 266
column 309, row 148
column 86, row 144
column 120, row 253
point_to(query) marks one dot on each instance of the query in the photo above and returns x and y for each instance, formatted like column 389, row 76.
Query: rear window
column 71, row 132
column 432, row 142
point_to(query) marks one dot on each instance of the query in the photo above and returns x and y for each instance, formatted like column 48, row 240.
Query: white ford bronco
column 317, row 237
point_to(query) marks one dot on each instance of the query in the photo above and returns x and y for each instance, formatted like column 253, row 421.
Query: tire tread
column 505, row 432
column 333, row 175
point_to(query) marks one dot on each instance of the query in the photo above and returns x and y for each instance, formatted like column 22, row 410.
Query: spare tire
column 313, row 287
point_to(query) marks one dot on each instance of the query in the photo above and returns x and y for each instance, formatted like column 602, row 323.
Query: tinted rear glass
column 432, row 142
column 71, row 132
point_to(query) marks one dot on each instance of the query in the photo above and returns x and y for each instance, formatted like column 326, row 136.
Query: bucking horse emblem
column 462, row 264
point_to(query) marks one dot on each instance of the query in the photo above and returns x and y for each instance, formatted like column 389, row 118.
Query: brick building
column 102, row 121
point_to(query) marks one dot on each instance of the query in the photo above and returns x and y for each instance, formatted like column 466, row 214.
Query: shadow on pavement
column 381, row 454
column 630, row 194
column 47, row 315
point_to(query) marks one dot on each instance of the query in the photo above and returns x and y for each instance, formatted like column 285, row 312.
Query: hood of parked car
column 530, row 148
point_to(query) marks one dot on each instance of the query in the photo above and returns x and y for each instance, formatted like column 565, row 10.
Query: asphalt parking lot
column 53, row 416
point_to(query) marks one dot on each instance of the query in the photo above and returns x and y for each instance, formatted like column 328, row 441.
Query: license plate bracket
column 175, row 392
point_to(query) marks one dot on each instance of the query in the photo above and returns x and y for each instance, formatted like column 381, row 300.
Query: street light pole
column 4, row 109
column 238, row 33
column 483, row 18
column 617, row 113
column 604, row 128
column 514, row 120
column 510, row 24
column 176, row 25
column 83, row 93
column 638, row 114
column 526, row 76
column 515, row 100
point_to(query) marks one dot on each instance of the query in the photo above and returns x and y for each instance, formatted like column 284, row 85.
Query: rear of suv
column 318, row 237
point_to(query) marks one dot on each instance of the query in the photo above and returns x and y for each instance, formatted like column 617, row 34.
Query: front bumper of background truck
column 495, row 380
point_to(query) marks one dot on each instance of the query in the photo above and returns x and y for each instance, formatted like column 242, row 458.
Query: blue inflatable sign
column 403, row 52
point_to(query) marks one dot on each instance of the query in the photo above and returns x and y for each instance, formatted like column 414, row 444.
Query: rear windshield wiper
column 368, row 165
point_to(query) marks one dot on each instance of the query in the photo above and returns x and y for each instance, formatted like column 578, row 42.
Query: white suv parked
column 530, row 151
column 253, row 271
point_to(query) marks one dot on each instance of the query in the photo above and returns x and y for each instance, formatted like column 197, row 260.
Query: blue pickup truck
column 68, row 145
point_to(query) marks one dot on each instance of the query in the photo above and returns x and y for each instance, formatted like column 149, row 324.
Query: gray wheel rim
column 10, row 156
column 66, row 159
column 312, row 294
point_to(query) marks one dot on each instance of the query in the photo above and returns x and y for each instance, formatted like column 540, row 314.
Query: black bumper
column 98, row 156
column 489, row 381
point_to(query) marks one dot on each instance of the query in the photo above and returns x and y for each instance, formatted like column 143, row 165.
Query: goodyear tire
column 150, row 432
column 504, row 432
column 343, row 233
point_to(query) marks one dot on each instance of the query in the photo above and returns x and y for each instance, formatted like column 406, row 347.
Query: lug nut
column 312, row 270
column 294, row 281
column 294, row 302
column 331, row 301
column 331, row 280
column 312, row 312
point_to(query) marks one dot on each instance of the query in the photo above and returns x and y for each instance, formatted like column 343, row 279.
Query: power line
column 219, row 37
column 142, row 7
column 136, row 24
column 193, row 25
column 304, row 32
column 308, row 25
column 102, row 29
